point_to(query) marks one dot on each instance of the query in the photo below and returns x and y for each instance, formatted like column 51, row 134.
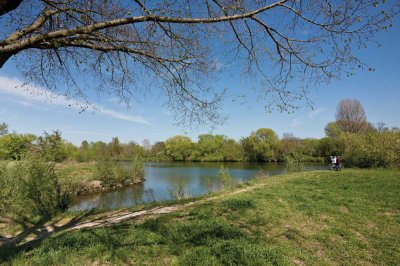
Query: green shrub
column 8, row 185
column 15, row 146
column 31, row 189
column 294, row 163
column 110, row 173
column 136, row 172
column 224, row 176
column 373, row 149
column 177, row 190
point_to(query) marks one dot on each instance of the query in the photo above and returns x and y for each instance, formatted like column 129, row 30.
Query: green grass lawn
column 349, row 217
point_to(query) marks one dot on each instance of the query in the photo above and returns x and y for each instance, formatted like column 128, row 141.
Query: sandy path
column 113, row 218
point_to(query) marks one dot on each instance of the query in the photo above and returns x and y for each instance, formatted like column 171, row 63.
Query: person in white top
column 334, row 160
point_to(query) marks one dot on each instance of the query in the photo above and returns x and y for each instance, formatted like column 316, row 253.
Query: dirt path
column 105, row 219
column 115, row 218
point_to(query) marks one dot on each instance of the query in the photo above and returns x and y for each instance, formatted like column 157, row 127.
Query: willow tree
column 178, row 47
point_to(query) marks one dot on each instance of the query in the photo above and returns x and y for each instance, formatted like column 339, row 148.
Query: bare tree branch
column 125, row 47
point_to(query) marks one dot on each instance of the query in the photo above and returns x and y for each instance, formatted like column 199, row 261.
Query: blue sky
column 378, row 91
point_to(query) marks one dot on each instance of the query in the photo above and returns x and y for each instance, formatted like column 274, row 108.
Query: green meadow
column 350, row 217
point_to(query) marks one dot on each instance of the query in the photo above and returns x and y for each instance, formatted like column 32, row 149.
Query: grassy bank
column 88, row 177
column 77, row 172
column 348, row 217
column 81, row 177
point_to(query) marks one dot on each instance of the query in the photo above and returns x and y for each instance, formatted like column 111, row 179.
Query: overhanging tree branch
column 180, row 46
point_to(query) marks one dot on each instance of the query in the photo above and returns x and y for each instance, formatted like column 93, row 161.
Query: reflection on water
column 196, row 179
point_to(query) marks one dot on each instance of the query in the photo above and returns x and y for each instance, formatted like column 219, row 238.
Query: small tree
column 381, row 127
column 3, row 129
column 115, row 148
column 52, row 147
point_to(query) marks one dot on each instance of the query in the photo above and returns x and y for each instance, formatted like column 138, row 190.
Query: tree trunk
column 4, row 58
column 8, row 5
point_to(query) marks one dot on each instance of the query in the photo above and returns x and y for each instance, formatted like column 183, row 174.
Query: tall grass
column 177, row 190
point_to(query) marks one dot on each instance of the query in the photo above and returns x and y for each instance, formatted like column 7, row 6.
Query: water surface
column 162, row 177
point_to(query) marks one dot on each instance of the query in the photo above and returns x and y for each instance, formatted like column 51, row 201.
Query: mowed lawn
column 350, row 217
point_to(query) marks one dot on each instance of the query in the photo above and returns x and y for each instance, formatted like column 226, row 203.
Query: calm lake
column 163, row 177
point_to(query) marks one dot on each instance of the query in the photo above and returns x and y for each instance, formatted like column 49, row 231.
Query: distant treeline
column 372, row 147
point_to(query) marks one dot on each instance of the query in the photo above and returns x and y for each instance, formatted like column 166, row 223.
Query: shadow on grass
column 199, row 241
column 102, row 235
column 30, row 236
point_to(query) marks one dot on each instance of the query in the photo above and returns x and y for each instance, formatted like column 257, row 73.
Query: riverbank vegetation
column 357, row 141
column 371, row 147
column 349, row 217
column 112, row 174
column 39, row 175
column 31, row 191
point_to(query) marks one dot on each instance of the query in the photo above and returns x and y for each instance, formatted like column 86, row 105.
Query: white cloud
column 32, row 93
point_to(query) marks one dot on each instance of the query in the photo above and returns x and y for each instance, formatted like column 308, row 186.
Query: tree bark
column 4, row 58
column 8, row 5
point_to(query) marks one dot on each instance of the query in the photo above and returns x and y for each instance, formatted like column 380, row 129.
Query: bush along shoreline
column 33, row 189
column 112, row 175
